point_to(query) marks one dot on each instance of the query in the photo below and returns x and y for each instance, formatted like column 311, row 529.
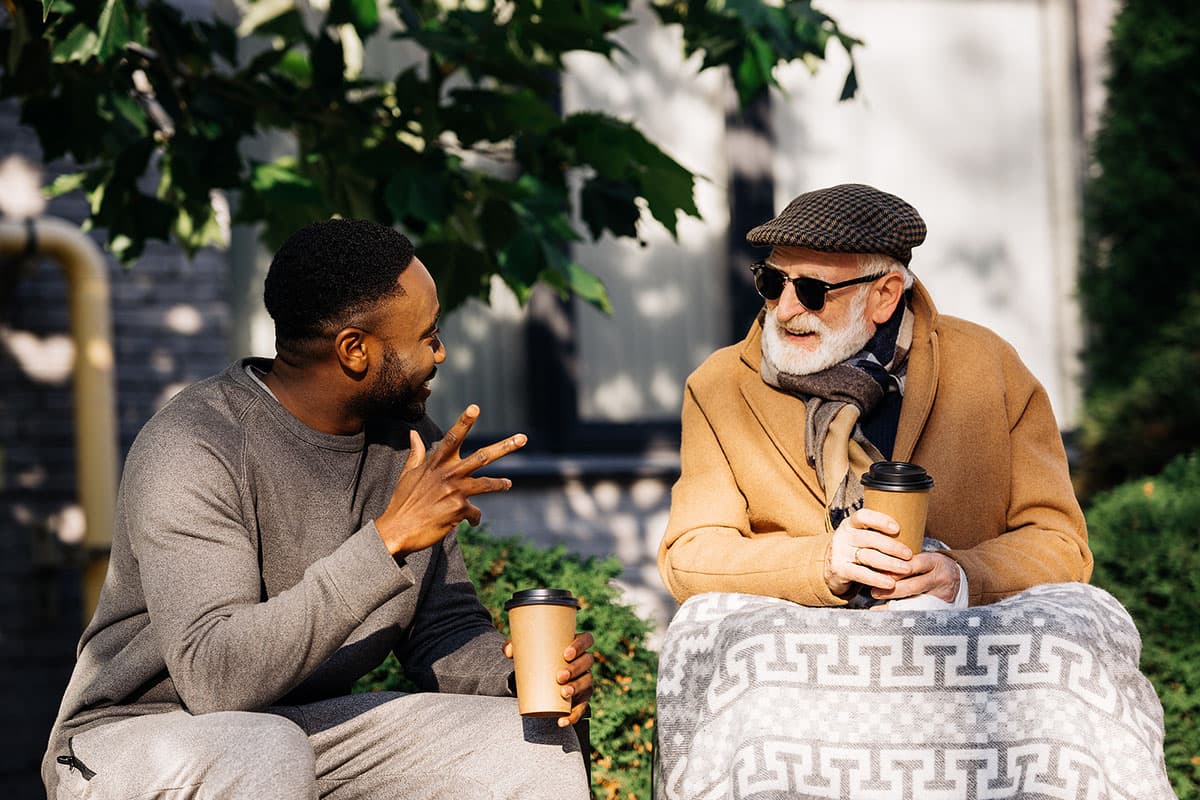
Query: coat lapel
column 920, row 387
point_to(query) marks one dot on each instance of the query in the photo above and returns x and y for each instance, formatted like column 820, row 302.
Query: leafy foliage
column 465, row 147
column 622, row 717
column 1145, row 536
column 1139, row 286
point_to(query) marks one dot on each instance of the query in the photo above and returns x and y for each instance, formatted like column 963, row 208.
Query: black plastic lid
column 897, row 476
column 542, row 597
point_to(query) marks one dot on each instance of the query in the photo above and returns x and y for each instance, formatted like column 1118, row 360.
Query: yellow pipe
column 95, row 397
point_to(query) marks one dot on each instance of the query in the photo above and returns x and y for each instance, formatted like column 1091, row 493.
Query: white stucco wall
column 966, row 110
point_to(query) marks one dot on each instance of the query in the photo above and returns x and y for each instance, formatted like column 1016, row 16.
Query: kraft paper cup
column 900, row 490
column 542, row 625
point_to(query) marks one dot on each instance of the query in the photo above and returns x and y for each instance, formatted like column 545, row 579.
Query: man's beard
column 395, row 393
column 835, row 345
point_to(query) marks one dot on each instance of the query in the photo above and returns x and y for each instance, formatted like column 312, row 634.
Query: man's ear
column 350, row 347
column 885, row 295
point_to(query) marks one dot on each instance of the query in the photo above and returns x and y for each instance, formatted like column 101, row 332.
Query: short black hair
column 329, row 272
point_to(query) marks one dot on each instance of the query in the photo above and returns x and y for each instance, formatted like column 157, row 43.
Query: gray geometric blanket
column 1038, row 696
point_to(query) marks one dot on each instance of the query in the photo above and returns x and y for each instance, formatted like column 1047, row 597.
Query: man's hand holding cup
column 551, row 659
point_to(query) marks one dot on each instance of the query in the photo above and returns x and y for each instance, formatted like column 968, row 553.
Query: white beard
column 835, row 345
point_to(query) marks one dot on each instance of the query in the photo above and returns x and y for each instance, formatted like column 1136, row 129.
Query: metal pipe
column 86, row 272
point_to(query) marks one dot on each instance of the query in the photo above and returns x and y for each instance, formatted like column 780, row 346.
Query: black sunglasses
column 811, row 292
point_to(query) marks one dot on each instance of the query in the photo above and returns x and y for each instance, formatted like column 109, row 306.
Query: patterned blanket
column 1038, row 696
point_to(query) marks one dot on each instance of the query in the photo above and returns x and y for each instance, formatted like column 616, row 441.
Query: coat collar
column 781, row 415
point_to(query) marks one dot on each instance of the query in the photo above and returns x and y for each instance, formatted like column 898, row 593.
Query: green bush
column 1138, row 284
column 622, row 707
column 1145, row 535
column 1151, row 418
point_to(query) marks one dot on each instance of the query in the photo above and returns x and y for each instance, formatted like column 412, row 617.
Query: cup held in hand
column 900, row 490
column 542, row 625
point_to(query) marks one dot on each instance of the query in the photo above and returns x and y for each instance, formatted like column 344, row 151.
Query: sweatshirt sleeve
column 225, row 645
column 453, row 645
column 708, row 546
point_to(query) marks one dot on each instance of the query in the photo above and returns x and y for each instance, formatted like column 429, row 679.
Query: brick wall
column 170, row 325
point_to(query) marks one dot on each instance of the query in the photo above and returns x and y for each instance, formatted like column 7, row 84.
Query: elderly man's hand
column 929, row 573
column 576, row 678
column 865, row 550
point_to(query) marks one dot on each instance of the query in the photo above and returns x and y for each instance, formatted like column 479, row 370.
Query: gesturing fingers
column 435, row 487
column 493, row 452
column 453, row 440
column 487, row 485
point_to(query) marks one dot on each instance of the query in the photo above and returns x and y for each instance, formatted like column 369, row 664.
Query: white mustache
column 801, row 325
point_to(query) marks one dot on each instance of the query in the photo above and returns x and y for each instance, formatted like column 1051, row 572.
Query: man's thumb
column 416, row 453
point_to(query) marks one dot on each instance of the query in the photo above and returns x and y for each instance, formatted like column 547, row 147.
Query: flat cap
column 848, row 218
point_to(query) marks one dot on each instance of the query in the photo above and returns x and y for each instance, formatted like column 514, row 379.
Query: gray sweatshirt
column 246, row 571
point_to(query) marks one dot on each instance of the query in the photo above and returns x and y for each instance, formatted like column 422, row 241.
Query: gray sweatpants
column 381, row 746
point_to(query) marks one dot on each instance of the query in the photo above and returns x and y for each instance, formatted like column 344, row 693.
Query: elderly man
column 850, row 363
column 283, row 526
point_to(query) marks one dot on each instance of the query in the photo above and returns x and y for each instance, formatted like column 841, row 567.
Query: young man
column 850, row 363
column 280, row 528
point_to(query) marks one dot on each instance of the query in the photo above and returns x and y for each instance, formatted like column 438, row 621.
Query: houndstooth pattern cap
column 847, row 218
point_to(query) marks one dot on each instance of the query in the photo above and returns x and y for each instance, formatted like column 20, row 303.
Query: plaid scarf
column 837, row 398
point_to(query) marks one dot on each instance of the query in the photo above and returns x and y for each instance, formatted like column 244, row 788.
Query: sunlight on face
column 825, row 347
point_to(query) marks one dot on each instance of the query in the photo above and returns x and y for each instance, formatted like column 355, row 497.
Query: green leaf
column 414, row 192
column 328, row 64
column 296, row 65
column 59, row 7
column 498, row 222
column 115, row 28
column 495, row 116
column 522, row 261
column 753, row 74
column 274, row 19
column 198, row 228
column 279, row 195
column 125, row 109
column 65, row 184
column 461, row 272
column 610, row 205
column 850, row 87
column 79, row 45
column 589, row 287
column 619, row 152
column 362, row 14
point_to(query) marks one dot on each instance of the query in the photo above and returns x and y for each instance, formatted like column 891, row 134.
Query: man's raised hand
column 435, row 488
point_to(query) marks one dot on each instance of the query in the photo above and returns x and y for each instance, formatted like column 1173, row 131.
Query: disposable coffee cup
column 542, row 624
column 900, row 490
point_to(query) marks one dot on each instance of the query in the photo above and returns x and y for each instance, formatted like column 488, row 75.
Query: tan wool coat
column 747, row 514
